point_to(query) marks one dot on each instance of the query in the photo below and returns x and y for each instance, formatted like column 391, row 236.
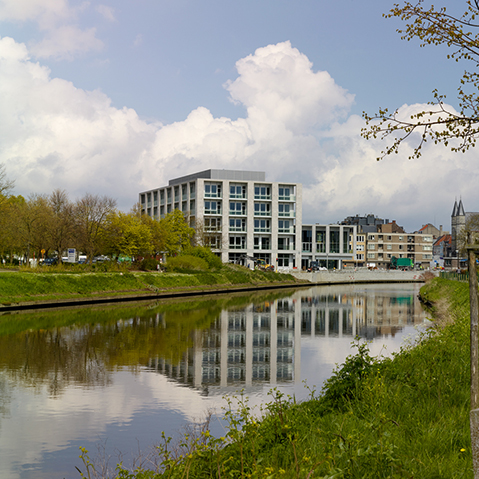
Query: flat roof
column 236, row 175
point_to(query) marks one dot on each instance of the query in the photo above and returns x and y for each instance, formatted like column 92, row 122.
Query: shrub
column 187, row 262
column 214, row 262
column 148, row 264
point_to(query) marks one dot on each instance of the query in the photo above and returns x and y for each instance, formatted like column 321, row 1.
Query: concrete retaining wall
column 360, row 276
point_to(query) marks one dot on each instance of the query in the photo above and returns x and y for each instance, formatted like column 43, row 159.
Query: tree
column 91, row 214
column 6, row 185
column 438, row 123
column 177, row 233
column 61, row 226
column 128, row 235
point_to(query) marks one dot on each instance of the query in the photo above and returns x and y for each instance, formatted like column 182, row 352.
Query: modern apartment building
column 237, row 213
column 333, row 246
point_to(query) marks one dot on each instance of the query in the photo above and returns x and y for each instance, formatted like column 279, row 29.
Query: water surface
column 112, row 378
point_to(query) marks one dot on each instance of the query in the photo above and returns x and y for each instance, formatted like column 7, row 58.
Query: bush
column 214, row 262
column 187, row 262
column 148, row 264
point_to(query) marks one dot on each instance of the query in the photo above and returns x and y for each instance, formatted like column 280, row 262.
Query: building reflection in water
column 261, row 343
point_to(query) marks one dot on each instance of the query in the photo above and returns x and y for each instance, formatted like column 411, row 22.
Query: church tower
column 458, row 223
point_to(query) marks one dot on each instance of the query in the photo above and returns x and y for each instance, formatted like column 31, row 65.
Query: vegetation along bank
column 405, row 417
column 60, row 284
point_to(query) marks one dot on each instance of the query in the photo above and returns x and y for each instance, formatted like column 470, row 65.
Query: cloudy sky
column 118, row 96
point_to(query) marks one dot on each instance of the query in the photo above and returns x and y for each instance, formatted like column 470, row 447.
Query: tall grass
column 405, row 417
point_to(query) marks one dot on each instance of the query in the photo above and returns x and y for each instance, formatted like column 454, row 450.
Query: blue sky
column 116, row 97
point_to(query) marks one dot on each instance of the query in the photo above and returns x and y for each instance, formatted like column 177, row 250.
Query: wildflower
column 463, row 450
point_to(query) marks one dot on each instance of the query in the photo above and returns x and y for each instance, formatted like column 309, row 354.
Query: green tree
column 177, row 233
column 127, row 234
column 438, row 123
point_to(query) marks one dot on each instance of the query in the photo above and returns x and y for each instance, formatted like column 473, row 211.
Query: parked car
column 50, row 261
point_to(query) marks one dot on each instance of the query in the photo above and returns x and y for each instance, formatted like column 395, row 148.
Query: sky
column 115, row 97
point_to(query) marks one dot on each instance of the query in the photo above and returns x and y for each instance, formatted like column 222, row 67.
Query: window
column 284, row 226
column 237, row 208
column 237, row 242
column 237, row 224
column 360, row 247
column 371, row 255
column 334, row 241
column 389, row 238
column 262, row 226
column 371, row 237
column 212, row 208
column 320, row 242
column 285, row 210
column 212, row 190
column 389, row 246
column 284, row 192
column 212, row 224
column 237, row 191
column 262, row 192
column 262, row 242
column 371, row 246
column 262, row 209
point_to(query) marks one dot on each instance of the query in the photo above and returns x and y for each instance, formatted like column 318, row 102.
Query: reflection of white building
column 261, row 343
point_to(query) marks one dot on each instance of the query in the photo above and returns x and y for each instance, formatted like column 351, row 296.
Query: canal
column 111, row 379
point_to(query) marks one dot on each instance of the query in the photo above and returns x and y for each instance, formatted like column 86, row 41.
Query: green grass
column 51, row 284
column 406, row 417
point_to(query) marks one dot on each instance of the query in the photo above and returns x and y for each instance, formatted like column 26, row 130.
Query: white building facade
column 236, row 213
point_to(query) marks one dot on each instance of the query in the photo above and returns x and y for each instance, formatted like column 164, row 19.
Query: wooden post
column 473, row 303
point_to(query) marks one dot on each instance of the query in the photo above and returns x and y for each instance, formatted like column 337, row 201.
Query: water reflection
column 70, row 378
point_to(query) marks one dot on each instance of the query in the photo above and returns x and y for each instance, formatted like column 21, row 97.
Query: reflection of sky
column 40, row 435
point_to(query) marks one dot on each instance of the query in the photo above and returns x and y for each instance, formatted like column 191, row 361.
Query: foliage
column 439, row 123
column 178, row 234
column 186, row 262
column 214, row 262
column 128, row 235
column 149, row 264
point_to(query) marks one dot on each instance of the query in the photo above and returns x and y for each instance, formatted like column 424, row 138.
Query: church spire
column 454, row 210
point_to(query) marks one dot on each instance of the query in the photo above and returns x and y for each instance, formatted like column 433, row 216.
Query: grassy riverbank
column 400, row 418
column 60, row 285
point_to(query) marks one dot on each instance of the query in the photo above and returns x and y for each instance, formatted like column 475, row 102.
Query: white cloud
column 66, row 42
column 57, row 20
column 106, row 12
column 54, row 135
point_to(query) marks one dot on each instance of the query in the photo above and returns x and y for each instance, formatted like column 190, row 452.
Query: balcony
column 216, row 212
column 286, row 230
column 262, row 230
column 236, row 229
column 287, row 214
column 287, row 198
column 288, row 247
